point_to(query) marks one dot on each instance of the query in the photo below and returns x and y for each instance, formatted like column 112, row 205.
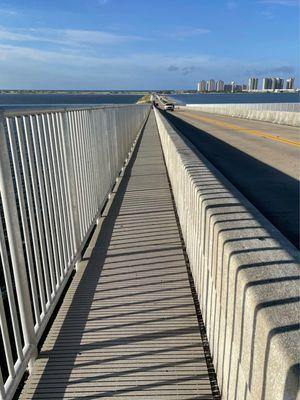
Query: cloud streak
column 71, row 58
column 277, row 69
column 6, row 11
column 289, row 3
column 173, row 68
column 67, row 37
column 22, row 66
column 267, row 14
column 187, row 33
column 77, row 58
column 231, row 5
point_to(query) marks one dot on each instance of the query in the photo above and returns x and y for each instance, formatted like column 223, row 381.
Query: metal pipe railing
column 57, row 168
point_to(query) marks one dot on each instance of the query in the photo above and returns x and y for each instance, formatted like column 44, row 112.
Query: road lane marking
column 254, row 132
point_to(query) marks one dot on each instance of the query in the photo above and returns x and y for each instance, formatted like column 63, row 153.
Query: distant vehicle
column 169, row 107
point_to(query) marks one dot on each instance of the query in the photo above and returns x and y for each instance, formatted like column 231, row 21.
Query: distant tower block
column 290, row 83
column 203, row 86
column 253, row 84
column 211, row 85
column 220, row 86
column 267, row 84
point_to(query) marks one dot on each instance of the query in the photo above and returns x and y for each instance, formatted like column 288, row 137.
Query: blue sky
column 141, row 44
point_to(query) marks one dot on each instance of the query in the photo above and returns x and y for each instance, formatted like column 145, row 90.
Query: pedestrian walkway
column 127, row 327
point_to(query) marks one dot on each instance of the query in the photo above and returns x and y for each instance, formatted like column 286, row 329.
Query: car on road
column 169, row 107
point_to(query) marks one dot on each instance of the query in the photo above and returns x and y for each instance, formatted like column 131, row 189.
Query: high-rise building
column 232, row 86
column 267, row 84
column 211, row 85
column 237, row 88
column 253, row 84
column 228, row 87
column 220, row 86
column 290, row 83
column 201, row 86
column 277, row 83
column 274, row 83
column 280, row 83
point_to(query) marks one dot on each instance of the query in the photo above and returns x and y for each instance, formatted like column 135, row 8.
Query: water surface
column 17, row 101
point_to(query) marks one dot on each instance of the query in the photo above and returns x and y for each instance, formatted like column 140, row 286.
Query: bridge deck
column 127, row 327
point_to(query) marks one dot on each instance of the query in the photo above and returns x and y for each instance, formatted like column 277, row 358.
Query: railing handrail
column 20, row 112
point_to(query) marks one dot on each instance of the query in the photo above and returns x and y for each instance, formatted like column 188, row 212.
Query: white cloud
column 267, row 14
column 78, row 59
column 26, row 67
column 67, row 37
column 95, row 37
column 141, row 60
column 231, row 5
column 280, row 2
column 11, row 35
column 186, row 33
column 22, row 66
column 6, row 11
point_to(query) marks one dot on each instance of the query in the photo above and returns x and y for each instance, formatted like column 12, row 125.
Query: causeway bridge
column 132, row 268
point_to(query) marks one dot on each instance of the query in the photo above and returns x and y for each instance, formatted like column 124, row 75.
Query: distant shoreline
column 125, row 92
column 70, row 92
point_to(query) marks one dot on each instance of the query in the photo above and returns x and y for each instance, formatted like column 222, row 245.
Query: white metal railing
column 57, row 168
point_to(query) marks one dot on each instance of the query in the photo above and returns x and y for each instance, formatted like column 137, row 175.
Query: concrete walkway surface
column 127, row 327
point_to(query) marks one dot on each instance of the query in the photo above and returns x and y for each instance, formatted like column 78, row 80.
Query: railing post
column 15, row 242
column 70, row 173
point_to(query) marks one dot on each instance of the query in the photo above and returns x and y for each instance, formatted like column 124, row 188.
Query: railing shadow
column 86, row 288
column 164, row 346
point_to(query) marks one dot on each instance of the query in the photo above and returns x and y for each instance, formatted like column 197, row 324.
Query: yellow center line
column 254, row 132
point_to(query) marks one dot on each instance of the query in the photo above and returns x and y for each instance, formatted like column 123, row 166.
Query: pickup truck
column 169, row 107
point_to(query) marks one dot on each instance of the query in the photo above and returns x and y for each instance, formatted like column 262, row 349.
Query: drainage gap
column 209, row 361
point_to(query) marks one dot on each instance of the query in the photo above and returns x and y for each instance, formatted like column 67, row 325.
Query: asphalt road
column 261, row 159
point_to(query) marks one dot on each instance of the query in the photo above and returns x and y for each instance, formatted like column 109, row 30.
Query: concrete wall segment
column 284, row 114
column 246, row 275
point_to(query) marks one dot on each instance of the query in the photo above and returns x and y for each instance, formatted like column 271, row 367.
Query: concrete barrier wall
column 278, row 114
column 246, row 275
